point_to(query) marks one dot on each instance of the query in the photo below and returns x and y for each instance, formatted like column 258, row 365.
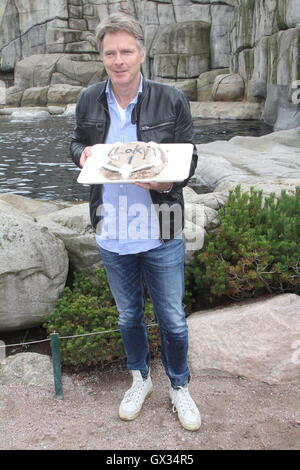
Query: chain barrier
column 66, row 337
column 55, row 350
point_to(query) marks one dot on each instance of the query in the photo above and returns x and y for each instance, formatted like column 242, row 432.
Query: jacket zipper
column 148, row 128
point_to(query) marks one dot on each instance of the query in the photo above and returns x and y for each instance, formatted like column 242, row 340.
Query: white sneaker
column 188, row 413
column 134, row 398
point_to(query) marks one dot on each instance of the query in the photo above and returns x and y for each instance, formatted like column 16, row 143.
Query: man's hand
column 85, row 155
column 155, row 186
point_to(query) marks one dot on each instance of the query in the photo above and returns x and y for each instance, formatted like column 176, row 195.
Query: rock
column 259, row 341
column 57, row 109
column 27, row 206
column 197, row 212
column 27, row 368
column 63, row 94
column 213, row 200
column 226, row 110
column 228, row 87
column 189, row 88
column 267, row 188
column 36, row 70
column 53, row 79
column 72, row 225
column 29, row 115
column 205, row 84
column 9, row 209
column 200, row 216
column 70, row 110
column 82, row 70
column 265, row 52
column 221, row 23
column 273, row 159
column 33, row 270
column 58, row 69
column 30, row 109
column 14, row 96
column 35, row 96
column 181, row 50
column 54, row 43
column 279, row 112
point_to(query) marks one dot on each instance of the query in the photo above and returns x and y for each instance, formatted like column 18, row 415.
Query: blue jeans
column 162, row 270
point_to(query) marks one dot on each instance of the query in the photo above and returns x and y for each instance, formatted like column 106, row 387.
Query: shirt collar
column 110, row 95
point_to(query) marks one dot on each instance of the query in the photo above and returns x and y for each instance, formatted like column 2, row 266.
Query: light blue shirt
column 130, row 224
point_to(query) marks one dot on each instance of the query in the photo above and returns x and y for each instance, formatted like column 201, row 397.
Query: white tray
column 177, row 169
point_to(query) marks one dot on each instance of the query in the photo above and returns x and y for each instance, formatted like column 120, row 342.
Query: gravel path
column 236, row 414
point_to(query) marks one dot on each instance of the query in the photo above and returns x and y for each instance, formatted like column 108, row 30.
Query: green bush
column 89, row 307
column 254, row 251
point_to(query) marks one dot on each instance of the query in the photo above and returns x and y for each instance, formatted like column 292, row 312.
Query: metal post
column 55, row 349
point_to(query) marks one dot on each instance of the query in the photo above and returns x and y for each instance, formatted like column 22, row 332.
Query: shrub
column 88, row 307
column 255, row 250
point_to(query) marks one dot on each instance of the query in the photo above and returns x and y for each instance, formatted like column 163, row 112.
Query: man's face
column 122, row 58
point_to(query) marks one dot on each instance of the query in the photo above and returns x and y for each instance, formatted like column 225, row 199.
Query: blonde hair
column 120, row 22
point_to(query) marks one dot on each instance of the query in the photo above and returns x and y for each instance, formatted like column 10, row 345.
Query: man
column 129, row 108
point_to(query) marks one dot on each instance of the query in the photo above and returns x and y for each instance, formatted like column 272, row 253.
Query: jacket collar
column 102, row 97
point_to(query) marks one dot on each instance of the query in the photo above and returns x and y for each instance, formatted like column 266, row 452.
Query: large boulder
column 43, row 79
column 228, row 87
column 258, row 341
column 205, row 84
column 33, row 270
column 72, row 225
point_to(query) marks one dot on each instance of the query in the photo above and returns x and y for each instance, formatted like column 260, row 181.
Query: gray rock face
column 49, row 45
column 182, row 50
column 33, row 270
column 53, row 43
column 265, row 52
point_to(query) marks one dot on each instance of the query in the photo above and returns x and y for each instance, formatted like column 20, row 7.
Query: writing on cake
column 133, row 161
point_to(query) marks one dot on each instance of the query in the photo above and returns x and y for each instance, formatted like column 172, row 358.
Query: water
column 35, row 161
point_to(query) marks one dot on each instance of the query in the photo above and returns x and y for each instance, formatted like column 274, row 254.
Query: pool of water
column 35, row 161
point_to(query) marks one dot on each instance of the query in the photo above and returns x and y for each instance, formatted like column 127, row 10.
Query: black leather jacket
column 162, row 115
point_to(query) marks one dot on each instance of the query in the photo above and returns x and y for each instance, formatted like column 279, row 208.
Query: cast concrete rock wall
column 46, row 44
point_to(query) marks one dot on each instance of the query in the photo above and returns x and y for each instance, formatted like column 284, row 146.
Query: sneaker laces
column 184, row 401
